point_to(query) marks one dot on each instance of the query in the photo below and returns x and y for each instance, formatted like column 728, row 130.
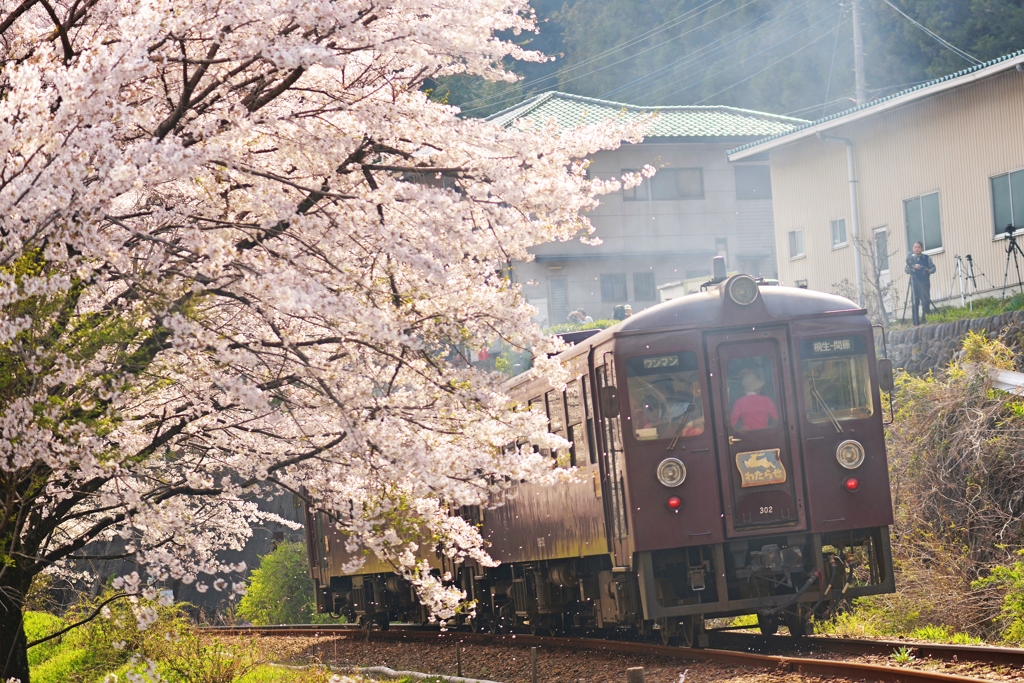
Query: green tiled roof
column 571, row 111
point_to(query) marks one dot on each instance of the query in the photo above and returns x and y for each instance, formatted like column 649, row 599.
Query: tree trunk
column 13, row 650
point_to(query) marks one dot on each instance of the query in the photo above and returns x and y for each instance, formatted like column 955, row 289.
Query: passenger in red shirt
column 753, row 411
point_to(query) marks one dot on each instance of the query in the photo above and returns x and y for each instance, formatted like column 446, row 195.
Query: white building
column 668, row 229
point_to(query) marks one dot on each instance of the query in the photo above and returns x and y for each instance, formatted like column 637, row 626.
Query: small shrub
column 280, row 590
column 903, row 656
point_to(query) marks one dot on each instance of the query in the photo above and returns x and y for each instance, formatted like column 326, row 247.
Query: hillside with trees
column 789, row 57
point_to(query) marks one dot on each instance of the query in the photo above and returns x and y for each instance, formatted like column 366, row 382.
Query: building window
column 796, row 243
column 613, row 287
column 677, row 183
column 753, row 182
column 838, row 232
column 634, row 194
column 923, row 223
column 643, row 287
column 1008, row 200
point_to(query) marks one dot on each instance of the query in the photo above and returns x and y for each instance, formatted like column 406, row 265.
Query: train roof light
column 852, row 484
column 742, row 289
column 674, row 503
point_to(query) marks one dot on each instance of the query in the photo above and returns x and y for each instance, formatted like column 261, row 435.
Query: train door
column 613, row 463
column 762, row 478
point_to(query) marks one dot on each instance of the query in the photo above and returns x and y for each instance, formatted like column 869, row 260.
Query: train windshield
column 664, row 396
column 837, row 382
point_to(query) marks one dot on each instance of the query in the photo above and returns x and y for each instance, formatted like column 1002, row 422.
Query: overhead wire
column 760, row 71
column 827, row 17
column 707, row 50
column 939, row 39
column 831, row 65
column 664, row 26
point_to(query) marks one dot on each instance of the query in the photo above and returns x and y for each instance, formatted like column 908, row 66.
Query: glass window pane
column 912, row 215
column 882, row 251
column 643, row 287
column 663, row 185
column 752, row 395
column 613, row 287
column 665, row 396
column 932, row 224
column 1017, row 198
column 1001, row 203
column 837, row 383
column 838, row 232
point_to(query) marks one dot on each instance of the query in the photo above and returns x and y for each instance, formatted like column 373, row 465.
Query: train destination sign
column 760, row 468
column 832, row 346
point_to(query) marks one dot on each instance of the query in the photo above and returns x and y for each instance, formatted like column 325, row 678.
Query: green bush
column 280, row 590
column 980, row 308
column 113, row 644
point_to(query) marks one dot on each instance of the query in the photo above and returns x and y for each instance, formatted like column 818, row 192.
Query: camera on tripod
column 1009, row 230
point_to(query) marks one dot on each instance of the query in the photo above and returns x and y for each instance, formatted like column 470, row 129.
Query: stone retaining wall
column 931, row 347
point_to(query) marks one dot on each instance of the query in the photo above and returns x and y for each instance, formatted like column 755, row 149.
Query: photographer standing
column 920, row 268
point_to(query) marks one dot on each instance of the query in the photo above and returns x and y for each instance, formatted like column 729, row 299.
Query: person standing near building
column 920, row 268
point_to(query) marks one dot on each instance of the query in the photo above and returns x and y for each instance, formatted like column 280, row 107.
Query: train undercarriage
column 784, row 580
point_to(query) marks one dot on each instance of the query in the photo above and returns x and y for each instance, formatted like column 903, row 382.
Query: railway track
column 814, row 656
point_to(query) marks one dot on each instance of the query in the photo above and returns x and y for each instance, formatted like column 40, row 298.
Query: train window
column 556, row 413
column 665, row 396
column 752, row 395
column 588, row 415
column 837, row 380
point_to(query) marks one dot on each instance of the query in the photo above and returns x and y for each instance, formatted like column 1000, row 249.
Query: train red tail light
column 674, row 503
column 852, row 484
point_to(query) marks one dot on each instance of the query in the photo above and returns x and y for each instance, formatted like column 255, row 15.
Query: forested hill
column 783, row 56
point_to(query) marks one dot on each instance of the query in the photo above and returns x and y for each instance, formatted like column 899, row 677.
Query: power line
column 832, row 64
column 827, row 17
column 707, row 50
column 664, row 26
column 953, row 48
column 760, row 71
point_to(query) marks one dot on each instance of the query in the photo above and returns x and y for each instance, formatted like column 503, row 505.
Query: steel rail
column 800, row 665
column 981, row 654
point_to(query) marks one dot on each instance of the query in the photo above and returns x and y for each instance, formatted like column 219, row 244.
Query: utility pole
column 858, row 55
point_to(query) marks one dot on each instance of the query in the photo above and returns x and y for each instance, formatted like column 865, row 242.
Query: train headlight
column 850, row 454
column 671, row 472
column 743, row 290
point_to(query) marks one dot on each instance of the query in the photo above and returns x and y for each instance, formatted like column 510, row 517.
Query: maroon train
column 733, row 459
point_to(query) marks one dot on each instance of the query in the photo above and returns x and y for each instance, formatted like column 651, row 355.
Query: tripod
column 958, row 275
column 1012, row 250
column 972, row 283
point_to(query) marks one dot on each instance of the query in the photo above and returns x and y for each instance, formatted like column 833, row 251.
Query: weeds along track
column 820, row 657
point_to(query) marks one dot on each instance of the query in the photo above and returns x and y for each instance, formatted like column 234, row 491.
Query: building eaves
column 664, row 123
column 898, row 99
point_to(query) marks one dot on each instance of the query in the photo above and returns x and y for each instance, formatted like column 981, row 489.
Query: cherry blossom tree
column 240, row 254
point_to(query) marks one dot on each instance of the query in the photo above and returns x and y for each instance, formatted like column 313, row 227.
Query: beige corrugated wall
column 952, row 142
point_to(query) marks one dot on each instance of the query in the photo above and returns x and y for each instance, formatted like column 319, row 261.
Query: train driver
column 752, row 410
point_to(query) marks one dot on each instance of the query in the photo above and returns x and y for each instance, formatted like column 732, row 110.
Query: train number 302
column 766, row 509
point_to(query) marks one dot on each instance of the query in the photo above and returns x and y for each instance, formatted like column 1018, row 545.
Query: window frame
column 833, row 224
column 928, row 248
column 612, row 299
column 999, row 230
column 678, row 196
column 802, row 253
column 639, row 292
column 633, row 194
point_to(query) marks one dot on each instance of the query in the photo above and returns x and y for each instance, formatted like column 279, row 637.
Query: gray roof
column 571, row 111
column 898, row 98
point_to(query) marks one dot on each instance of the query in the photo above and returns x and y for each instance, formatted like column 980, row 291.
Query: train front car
column 743, row 428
